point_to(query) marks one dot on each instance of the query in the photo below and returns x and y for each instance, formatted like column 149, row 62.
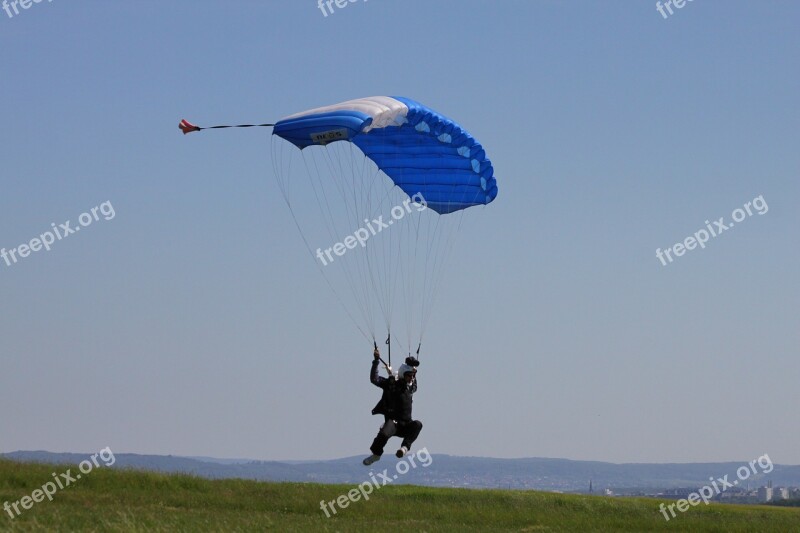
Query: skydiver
column 395, row 406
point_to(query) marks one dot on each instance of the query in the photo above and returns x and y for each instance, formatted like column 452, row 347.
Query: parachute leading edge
column 422, row 151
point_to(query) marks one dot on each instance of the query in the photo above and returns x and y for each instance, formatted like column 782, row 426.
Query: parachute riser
column 386, row 365
column 389, row 344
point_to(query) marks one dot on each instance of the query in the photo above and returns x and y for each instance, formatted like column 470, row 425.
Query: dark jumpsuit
column 395, row 406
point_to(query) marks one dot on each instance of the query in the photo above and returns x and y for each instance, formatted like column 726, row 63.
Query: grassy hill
column 115, row 500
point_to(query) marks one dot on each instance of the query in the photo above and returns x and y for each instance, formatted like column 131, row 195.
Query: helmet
column 403, row 370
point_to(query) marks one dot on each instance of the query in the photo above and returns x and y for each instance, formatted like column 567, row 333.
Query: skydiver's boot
column 371, row 459
column 401, row 452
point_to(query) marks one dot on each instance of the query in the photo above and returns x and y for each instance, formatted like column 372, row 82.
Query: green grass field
column 113, row 500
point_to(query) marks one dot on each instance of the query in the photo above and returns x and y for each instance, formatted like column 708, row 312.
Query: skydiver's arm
column 414, row 384
column 374, row 377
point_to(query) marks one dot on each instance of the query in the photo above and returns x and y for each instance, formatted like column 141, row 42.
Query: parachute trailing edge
column 422, row 151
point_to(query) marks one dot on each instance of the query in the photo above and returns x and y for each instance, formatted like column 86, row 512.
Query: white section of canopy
column 384, row 110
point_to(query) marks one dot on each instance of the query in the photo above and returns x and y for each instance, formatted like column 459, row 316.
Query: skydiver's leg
column 410, row 432
column 388, row 429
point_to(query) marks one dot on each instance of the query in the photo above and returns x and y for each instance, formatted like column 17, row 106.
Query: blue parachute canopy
column 422, row 151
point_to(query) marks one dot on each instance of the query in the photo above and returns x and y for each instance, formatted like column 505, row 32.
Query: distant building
column 780, row 493
column 765, row 494
column 680, row 492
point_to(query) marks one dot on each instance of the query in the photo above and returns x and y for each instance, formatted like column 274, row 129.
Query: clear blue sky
column 195, row 323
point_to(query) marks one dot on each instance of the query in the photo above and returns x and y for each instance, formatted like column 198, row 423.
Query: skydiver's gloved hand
column 376, row 354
